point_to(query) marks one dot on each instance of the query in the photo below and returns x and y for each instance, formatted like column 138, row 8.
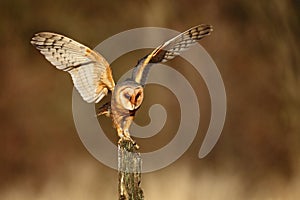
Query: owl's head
column 131, row 96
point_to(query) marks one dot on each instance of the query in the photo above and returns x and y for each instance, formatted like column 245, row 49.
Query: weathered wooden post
column 129, row 167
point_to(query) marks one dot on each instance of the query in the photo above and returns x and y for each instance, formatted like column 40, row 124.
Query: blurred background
column 256, row 49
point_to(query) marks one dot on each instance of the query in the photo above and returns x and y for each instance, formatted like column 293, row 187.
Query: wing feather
column 90, row 72
column 169, row 50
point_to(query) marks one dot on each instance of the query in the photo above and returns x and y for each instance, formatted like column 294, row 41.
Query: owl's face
column 131, row 96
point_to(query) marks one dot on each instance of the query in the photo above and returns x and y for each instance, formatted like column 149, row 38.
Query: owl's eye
column 127, row 96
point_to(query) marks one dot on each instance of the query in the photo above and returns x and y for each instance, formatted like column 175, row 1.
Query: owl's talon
column 129, row 139
column 135, row 144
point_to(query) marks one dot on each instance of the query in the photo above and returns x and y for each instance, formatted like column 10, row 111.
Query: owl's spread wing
column 169, row 50
column 90, row 72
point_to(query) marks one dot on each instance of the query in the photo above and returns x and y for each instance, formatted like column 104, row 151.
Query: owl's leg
column 120, row 133
column 126, row 133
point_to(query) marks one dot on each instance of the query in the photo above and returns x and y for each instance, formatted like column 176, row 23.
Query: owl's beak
column 135, row 99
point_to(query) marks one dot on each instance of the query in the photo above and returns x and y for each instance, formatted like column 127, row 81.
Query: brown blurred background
column 256, row 49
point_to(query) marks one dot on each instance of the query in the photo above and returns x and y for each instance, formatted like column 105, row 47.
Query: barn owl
column 92, row 75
